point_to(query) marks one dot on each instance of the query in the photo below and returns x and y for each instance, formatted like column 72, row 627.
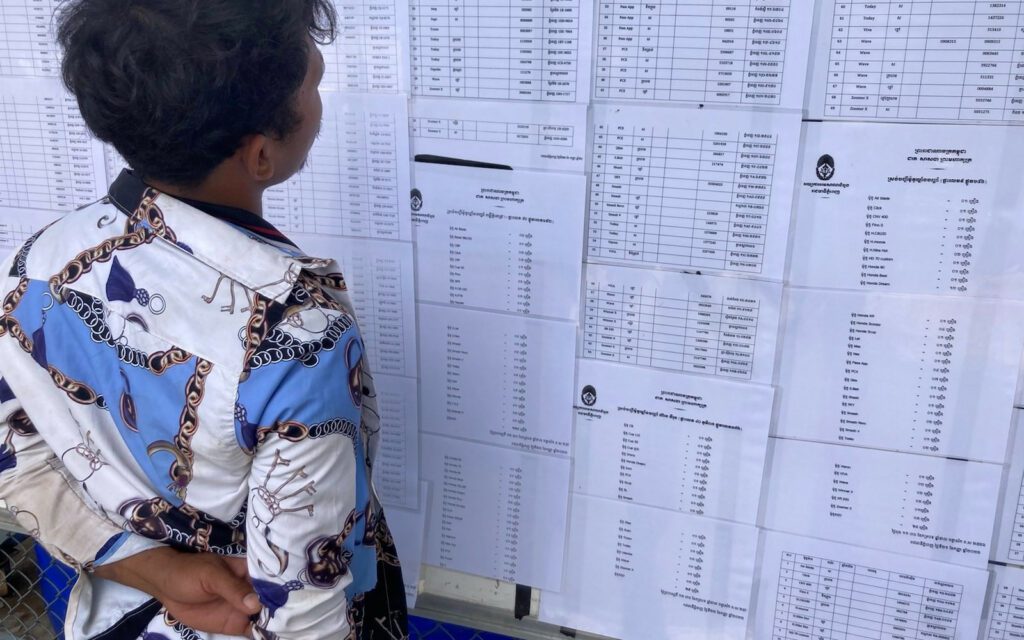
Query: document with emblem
column 680, row 442
column 927, row 209
column 936, row 508
column 812, row 588
column 499, row 240
column 927, row 374
column 682, row 576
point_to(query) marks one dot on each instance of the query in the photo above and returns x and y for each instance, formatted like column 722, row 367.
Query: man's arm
column 308, row 488
column 42, row 500
column 206, row 592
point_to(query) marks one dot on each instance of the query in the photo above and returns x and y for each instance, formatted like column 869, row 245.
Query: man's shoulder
column 132, row 282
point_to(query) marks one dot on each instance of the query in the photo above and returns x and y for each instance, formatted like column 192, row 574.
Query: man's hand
column 202, row 590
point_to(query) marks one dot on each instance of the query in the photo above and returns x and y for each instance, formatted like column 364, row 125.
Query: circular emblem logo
column 826, row 167
column 589, row 395
column 416, row 200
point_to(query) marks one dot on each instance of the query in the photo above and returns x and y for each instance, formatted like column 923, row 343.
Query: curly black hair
column 175, row 85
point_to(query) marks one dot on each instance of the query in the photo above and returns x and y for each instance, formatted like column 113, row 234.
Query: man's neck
column 216, row 189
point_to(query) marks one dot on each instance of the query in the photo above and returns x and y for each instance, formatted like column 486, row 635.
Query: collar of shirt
column 237, row 242
column 128, row 190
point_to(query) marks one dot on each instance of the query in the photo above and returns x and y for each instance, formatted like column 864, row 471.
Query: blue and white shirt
column 180, row 378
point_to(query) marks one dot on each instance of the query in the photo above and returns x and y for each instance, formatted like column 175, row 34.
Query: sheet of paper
column 18, row 225
column 356, row 179
column 812, row 588
column 735, row 53
column 497, row 378
column 49, row 161
column 396, row 471
column 379, row 274
column 923, row 60
column 30, row 47
column 925, row 374
column 941, row 509
column 1004, row 608
column 635, row 572
column 700, row 189
column 113, row 162
column 369, row 54
column 670, row 440
column 526, row 136
column 538, row 50
column 496, row 512
column 1009, row 546
column 923, row 209
column 499, row 240
column 705, row 324
column 409, row 527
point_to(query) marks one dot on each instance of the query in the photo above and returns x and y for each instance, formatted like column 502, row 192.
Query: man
column 177, row 376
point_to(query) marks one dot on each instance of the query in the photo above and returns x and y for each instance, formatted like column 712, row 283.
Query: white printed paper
column 637, row 573
column 356, row 179
column 113, row 162
column 917, row 61
column 925, row 374
column 49, row 161
column 941, row 509
column 812, row 588
column 409, row 526
column 496, row 512
column 18, row 225
column 499, row 240
column 1010, row 540
column 695, row 189
column 497, row 378
column 381, row 285
column 1004, row 610
column 670, row 440
column 526, row 136
column 369, row 53
column 482, row 49
column 30, row 44
column 396, row 470
column 744, row 53
column 923, row 209
column 704, row 324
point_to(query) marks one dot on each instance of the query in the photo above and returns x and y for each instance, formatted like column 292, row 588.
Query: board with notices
column 720, row 302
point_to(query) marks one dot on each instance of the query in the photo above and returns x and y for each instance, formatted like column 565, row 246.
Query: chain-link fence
column 426, row 629
column 34, row 591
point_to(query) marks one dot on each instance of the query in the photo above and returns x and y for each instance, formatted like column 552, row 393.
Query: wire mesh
column 34, row 590
column 426, row 629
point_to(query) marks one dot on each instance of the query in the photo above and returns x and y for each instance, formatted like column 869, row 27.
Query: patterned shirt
column 178, row 377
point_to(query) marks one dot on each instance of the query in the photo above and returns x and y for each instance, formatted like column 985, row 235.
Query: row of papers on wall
column 704, row 319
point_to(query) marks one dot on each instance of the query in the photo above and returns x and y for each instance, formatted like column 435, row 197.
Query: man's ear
column 255, row 155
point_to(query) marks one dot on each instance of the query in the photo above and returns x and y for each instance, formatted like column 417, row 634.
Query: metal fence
column 34, row 591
